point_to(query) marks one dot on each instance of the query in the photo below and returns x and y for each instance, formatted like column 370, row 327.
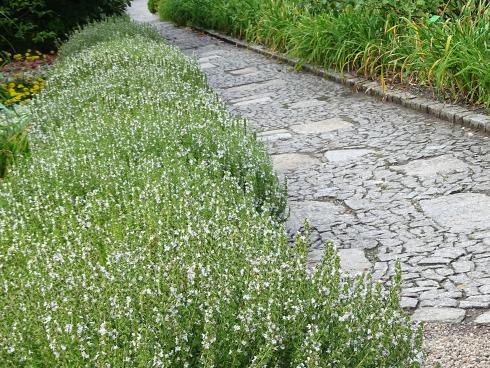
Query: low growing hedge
column 108, row 29
column 145, row 230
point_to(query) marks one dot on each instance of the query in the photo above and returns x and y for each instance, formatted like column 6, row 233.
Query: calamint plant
column 146, row 231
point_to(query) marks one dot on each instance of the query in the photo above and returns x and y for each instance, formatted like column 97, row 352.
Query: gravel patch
column 457, row 346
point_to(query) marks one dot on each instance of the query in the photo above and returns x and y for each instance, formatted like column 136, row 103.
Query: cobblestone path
column 382, row 182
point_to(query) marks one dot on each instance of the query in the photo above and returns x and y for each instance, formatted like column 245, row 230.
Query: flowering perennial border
column 145, row 230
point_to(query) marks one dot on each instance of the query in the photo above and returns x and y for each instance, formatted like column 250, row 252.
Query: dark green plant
column 185, row 12
column 3, row 92
column 419, row 8
column 153, row 6
column 14, row 141
column 38, row 23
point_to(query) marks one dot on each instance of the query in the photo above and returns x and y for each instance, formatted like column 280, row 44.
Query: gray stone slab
column 215, row 52
column 306, row 104
column 439, row 314
column 408, row 303
column 463, row 266
column 207, row 66
column 252, row 100
column 430, row 167
column 434, row 261
column 291, row 161
column 483, row 319
column 274, row 135
column 354, row 261
column 322, row 126
column 449, row 252
column 255, row 86
column 346, row 154
column 442, row 302
column 485, row 289
column 476, row 301
column 243, row 71
column 461, row 212
column 320, row 215
column 207, row 59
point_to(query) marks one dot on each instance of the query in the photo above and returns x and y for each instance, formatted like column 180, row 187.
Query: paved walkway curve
column 381, row 181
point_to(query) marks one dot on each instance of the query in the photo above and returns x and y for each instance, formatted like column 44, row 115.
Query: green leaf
column 433, row 19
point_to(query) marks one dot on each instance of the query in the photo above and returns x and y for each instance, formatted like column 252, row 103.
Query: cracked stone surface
column 462, row 212
column 483, row 319
column 432, row 167
column 323, row 126
column 354, row 261
column 371, row 176
column 273, row 135
column 320, row 215
column 439, row 314
column 291, row 161
column 345, row 155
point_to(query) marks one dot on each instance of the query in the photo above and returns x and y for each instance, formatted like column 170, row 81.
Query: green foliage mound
column 37, row 24
column 146, row 231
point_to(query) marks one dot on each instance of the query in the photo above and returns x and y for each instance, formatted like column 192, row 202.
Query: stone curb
column 449, row 112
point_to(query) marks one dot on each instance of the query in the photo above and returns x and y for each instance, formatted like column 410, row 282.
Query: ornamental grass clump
column 146, row 231
column 437, row 44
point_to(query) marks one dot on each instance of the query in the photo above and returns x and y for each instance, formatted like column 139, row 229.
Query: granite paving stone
column 323, row 126
column 354, row 261
column 291, row 161
column 438, row 314
column 483, row 318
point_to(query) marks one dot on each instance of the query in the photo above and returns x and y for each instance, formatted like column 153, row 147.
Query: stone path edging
column 449, row 112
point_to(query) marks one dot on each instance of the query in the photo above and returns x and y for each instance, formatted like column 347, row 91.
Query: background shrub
column 185, row 12
column 418, row 8
column 146, row 231
column 36, row 24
